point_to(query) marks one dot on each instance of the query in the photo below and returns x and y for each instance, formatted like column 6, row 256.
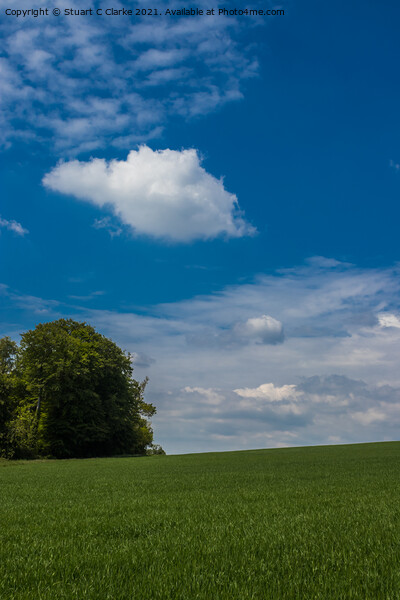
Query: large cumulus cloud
column 165, row 194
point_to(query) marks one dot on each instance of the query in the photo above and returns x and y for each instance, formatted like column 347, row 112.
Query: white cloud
column 388, row 320
column 255, row 330
column 371, row 415
column 13, row 226
column 282, row 400
column 208, row 395
column 269, row 392
column 273, row 415
column 154, row 59
column 264, row 329
column 165, row 194
column 319, row 386
column 329, row 317
column 83, row 82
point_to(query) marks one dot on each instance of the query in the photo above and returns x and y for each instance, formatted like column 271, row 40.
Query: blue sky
column 219, row 195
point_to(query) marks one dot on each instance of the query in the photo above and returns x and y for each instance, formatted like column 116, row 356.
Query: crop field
column 299, row 523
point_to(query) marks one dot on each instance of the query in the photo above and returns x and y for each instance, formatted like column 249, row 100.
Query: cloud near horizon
column 165, row 194
column 343, row 410
column 318, row 386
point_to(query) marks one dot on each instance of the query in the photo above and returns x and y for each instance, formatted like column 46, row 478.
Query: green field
column 319, row 522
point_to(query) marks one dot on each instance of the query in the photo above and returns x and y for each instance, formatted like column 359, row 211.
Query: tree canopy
column 68, row 391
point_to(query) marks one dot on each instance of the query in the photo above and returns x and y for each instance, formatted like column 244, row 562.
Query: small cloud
column 394, row 165
column 139, row 359
column 13, row 226
column 284, row 401
column 90, row 296
column 105, row 223
column 323, row 262
column 32, row 304
column 165, row 194
column 269, row 392
column 372, row 415
column 163, row 76
column 208, row 395
column 154, row 59
column 35, row 305
column 388, row 320
column 264, row 329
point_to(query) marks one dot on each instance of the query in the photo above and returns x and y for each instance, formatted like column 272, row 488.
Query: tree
column 8, row 351
column 77, row 397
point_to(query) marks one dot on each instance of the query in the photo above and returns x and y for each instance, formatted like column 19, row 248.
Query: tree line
column 66, row 391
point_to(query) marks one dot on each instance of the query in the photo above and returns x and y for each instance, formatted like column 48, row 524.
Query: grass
column 296, row 523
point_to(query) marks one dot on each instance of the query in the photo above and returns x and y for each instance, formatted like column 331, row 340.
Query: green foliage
column 22, row 434
column 74, row 395
column 286, row 524
column 155, row 449
column 8, row 352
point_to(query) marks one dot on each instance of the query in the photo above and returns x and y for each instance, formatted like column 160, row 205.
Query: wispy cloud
column 90, row 296
column 106, row 223
column 164, row 194
column 87, row 81
column 25, row 302
column 212, row 393
column 13, row 226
